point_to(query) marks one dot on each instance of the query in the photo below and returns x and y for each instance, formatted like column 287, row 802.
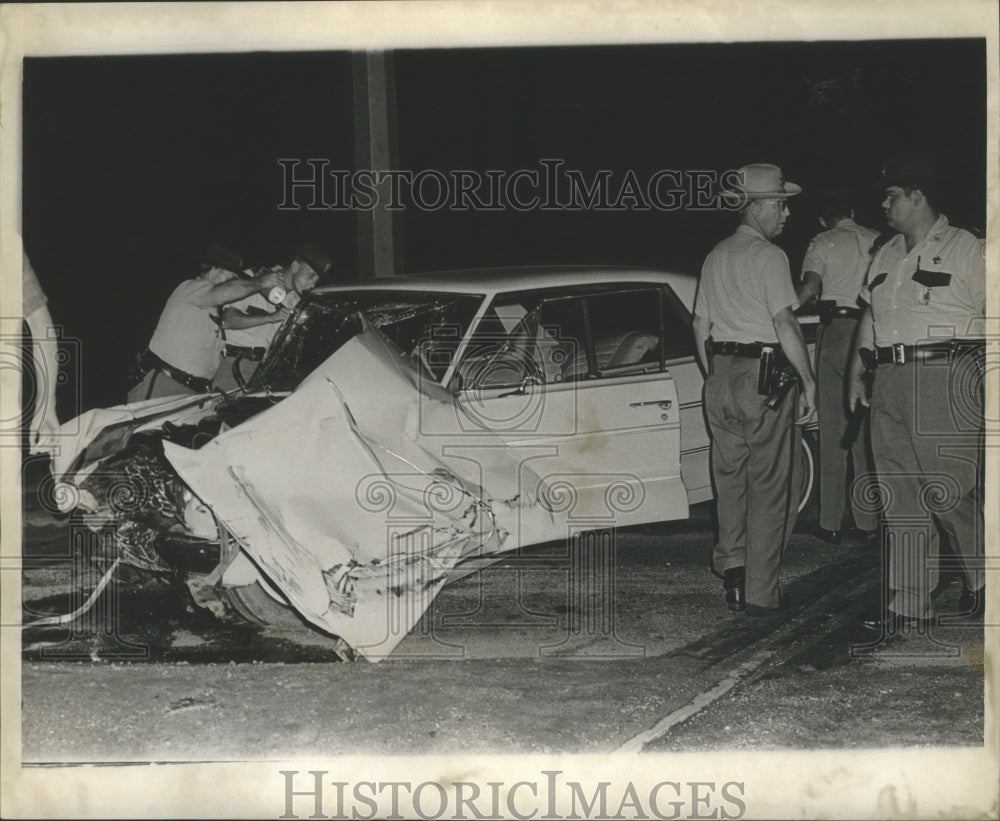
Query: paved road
column 530, row 656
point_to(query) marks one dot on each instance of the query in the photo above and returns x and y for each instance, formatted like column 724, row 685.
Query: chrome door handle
column 663, row 403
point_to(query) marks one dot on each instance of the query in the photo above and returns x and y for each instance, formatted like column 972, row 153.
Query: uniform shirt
column 186, row 336
column 259, row 336
column 937, row 290
column 840, row 256
column 32, row 295
column 744, row 283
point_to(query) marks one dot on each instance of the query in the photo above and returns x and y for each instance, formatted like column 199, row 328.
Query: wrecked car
column 399, row 434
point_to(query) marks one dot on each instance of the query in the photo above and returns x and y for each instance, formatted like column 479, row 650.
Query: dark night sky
column 132, row 164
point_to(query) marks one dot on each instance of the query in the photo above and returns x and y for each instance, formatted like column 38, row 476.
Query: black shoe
column 972, row 603
column 829, row 536
column 891, row 622
column 734, row 581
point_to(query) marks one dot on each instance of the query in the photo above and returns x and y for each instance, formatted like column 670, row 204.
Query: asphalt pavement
column 626, row 646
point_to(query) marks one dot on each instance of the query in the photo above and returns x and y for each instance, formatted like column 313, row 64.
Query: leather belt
column 901, row 354
column 245, row 352
column 148, row 361
column 750, row 350
column 845, row 313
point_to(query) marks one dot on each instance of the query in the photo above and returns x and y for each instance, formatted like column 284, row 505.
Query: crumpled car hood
column 359, row 493
column 101, row 431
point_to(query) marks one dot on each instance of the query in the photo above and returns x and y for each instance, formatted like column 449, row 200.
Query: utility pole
column 376, row 149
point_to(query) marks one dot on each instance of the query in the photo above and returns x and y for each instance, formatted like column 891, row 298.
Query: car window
column 424, row 325
column 501, row 351
column 597, row 332
column 678, row 338
column 624, row 335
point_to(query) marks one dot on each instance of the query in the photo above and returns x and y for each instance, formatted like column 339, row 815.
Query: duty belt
column 845, row 313
column 148, row 361
column 775, row 375
column 901, row 354
column 750, row 350
column 245, row 352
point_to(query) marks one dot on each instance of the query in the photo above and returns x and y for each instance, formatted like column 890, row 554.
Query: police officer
column 926, row 294
column 248, row 326
column 743, row 319
column 833, row 270
column 185, row 348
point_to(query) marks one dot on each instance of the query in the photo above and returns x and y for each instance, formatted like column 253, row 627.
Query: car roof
column 490, row 281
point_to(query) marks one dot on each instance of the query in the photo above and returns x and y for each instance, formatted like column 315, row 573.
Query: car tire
column 256, row 604
column 809, row 463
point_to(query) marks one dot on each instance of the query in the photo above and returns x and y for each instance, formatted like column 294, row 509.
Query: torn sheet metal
column 350, row 509
column 104, row 431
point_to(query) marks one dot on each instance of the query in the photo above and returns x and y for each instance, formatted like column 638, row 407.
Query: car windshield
column 425, row 325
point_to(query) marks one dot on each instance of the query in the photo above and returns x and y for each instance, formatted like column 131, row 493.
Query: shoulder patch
column 876, row 281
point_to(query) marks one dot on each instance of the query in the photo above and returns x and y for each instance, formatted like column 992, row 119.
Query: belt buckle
column 898, row 354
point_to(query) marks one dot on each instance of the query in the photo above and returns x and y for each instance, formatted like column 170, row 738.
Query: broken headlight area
column 158, row 524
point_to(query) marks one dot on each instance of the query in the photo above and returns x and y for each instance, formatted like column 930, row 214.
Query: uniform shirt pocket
column 931, row 279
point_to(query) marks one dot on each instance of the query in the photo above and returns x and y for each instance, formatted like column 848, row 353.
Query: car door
column 575, row 383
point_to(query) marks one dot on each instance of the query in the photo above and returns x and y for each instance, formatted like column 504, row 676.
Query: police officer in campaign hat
column 750, row 345
column 923, row 333
column 833, row 270
column 184, row 351
column 249, row 326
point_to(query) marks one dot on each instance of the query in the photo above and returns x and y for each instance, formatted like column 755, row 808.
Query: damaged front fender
column 354, row 512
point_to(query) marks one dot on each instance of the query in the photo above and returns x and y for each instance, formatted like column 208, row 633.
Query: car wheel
column 258, row 605
column 807, row 463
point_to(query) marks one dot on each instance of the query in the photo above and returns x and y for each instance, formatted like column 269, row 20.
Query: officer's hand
column 807, row 405
column 265, row 282
column 857, row 392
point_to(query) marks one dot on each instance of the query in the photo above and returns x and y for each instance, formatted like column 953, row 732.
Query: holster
column 776, row 376
column 825, row 309
column 774, row 370
column 867, row 359
column 708, row 356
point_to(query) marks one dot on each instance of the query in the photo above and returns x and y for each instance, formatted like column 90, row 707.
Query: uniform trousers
column 927, row 421
column 833, row 348
column 755, row 462
column 225, row 377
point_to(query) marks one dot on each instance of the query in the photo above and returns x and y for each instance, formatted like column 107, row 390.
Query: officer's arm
column 702, row 329
column 45, row 361
column 233, row 290
column 811, row 288
column 864, row 337
column 236, row 320
column 786, row 326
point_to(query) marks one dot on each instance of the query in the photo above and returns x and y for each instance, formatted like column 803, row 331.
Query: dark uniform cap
column 914, row 168
column 836, row 203
column 222, row 256
column 314, row 256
